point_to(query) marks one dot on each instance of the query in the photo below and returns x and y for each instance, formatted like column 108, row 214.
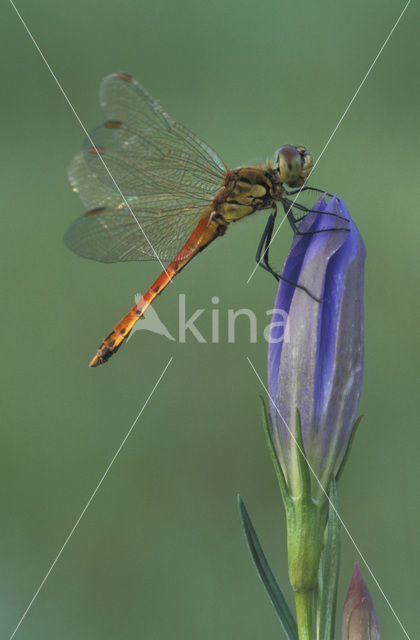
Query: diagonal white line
column 86, row 133
column 335, row 128
column 95, row 491
column 274, row 404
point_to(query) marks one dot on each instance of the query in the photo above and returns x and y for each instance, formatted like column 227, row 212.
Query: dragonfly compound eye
column 307, row 165
column 293, row 165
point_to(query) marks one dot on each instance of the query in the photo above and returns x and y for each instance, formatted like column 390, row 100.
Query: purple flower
column 359, row 617
column 317, row 369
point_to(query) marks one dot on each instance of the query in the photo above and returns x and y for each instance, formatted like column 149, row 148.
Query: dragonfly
column 154, row 190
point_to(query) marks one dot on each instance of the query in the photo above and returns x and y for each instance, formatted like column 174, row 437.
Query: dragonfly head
column 293, row 165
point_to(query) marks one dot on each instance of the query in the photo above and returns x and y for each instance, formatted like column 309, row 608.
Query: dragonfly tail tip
column 95, row 362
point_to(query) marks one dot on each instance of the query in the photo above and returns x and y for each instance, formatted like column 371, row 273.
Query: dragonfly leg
column 310, row 233
column 262, row 255
column 287, row 205
column 291, row 193
column 265, row 242
column 301, row 207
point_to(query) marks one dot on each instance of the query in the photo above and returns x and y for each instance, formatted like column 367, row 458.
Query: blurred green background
column 160, row 552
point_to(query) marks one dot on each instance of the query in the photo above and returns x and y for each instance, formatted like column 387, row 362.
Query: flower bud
column 359, row 617
column 318, row 369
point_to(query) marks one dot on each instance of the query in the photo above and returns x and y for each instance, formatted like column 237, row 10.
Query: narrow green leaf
column 331, row 561
column 268, row 435
column 349, row 446
column 266, row 575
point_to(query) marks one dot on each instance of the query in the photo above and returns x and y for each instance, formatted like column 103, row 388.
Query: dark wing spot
column 95, row 212
column 99, row 150
column 125, row 76
column 113, row 124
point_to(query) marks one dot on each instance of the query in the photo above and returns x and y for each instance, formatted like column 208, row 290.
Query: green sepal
column 349, row 446
column 327, row 585
column 268, row 436
column 303, row 467
column 266, row 575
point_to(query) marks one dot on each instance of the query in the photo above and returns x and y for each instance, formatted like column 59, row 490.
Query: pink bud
column 359, row 617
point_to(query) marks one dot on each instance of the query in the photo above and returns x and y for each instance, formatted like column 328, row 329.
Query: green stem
column 304, row 601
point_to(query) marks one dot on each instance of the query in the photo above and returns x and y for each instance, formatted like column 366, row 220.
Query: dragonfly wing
column 144, row 147
column 145, row 179
column 92, row 191
column 149, row 227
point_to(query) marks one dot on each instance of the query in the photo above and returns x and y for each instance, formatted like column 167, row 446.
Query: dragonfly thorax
column 245, row 190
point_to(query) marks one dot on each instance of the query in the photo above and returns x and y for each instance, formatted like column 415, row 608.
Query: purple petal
column 319, row 371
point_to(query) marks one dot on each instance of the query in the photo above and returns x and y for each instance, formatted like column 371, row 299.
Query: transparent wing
column 140, row 130
column 111, row 232
column 141, row 157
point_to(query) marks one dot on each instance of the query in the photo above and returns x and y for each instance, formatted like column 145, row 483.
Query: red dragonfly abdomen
column 207, row 230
